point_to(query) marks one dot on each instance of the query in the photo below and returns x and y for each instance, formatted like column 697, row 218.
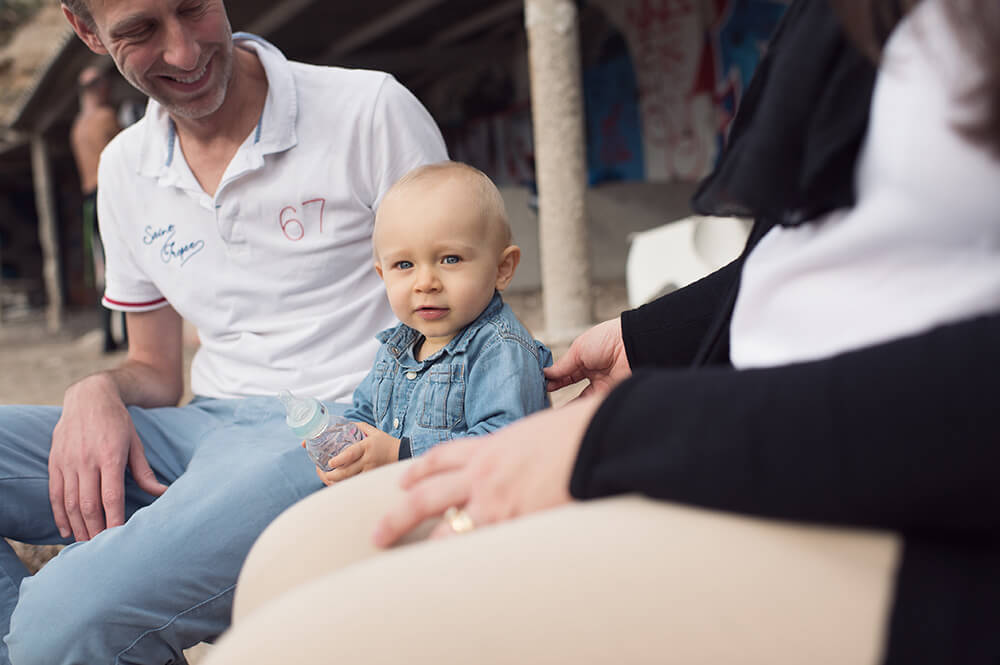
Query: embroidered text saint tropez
column 170, row 249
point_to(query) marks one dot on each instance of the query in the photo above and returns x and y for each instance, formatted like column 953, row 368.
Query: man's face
column 179, row 52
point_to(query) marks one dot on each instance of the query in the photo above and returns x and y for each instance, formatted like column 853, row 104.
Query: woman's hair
column 977, row 26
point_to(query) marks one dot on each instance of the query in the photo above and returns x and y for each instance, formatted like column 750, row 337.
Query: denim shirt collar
column 399, row 340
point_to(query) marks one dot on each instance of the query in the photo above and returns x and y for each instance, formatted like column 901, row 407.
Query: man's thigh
column 164, row 580
column 169, row 437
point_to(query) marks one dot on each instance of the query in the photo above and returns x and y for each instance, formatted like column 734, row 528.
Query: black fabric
column 902, row 436
column 670, row 331
column 689, row 326
column 405, row 451
column 794, row 141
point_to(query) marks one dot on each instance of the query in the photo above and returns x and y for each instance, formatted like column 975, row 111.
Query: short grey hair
column 80, row 9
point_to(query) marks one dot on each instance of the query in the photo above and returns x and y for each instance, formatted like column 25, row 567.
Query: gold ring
column 459, row 520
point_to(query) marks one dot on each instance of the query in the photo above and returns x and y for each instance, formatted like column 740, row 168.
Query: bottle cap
column 305, row 415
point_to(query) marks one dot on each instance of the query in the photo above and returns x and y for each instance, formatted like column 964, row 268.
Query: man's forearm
column 137, row 384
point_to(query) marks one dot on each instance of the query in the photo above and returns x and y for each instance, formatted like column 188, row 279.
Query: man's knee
column 69, row 614
column 47, row 619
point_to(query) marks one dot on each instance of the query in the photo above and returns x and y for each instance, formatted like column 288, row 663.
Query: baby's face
column 438, row 258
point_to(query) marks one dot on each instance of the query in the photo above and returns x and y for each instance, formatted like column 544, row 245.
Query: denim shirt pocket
column 382, row 390
column 443, row 403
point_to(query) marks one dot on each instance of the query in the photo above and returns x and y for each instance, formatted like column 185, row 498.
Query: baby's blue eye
column 404, row 265
column 451, row 259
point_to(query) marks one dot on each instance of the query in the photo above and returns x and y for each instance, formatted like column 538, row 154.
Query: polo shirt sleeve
column 126, row 286
column 404, row 136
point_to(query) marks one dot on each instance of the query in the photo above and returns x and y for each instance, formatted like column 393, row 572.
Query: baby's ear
column 509, row 259
column 378, row 269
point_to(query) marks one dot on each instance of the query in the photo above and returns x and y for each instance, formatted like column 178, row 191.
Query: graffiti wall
column 659, row 97
column 691, row 61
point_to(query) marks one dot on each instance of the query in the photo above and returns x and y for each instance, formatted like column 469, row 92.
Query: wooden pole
column 48, row 226
column 557, row 115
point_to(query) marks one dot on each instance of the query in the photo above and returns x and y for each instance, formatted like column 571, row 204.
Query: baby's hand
column 375, row 450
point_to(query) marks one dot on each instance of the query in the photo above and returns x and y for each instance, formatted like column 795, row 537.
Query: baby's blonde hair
column 492, row 208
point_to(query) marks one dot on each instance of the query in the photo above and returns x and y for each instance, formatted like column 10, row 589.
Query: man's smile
column 189, row 81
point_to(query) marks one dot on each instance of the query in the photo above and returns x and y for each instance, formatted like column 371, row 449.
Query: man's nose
column 180, row 49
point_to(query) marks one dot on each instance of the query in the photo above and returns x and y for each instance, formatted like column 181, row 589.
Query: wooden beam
column 279, row 15
column 371, row 31
column 48, row 227
column 421, row 59
column 477, row 22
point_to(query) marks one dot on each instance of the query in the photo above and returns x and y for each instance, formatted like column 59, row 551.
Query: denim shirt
column 488, row 376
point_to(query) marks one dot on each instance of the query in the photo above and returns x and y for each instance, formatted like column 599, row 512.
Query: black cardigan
column 902, row 436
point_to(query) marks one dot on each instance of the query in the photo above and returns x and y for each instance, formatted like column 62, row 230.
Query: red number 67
column 289, row 224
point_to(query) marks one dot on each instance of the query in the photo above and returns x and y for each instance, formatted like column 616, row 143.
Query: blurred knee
column 72, row 612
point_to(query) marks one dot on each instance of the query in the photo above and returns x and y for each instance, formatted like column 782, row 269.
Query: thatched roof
column 27, row 54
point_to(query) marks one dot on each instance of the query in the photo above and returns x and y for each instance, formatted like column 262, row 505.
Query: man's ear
column 507, row 265
column 85, row 32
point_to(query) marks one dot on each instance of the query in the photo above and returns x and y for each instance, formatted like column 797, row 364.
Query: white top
column 922, row 246
column 275, row 270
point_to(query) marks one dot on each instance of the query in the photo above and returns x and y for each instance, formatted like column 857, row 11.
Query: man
column 242, row 201
column 93, row 128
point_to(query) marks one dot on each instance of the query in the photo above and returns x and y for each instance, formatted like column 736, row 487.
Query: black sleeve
column 405, row 449
column 669, row 331
column 903, row 435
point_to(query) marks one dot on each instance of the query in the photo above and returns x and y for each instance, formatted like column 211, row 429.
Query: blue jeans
column 144, row 591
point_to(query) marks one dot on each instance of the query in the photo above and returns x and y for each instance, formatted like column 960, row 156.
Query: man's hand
column 91, row 444
column 375, row 450
column 597, row 355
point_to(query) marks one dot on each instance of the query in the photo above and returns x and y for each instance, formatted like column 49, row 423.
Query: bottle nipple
column 304, row 415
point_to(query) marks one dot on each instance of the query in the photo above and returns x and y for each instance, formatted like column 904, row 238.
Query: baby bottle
column 325, row 434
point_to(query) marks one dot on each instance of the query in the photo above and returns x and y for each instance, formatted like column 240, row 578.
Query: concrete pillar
column 557, row 114
column 48, row 234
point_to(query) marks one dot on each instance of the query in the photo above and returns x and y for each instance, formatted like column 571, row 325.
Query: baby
column 460, row 363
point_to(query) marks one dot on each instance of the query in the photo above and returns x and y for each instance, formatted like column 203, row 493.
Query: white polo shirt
column 921, row 247
column 275, row 270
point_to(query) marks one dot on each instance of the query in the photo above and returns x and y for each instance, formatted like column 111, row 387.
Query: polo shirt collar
column 275, row 130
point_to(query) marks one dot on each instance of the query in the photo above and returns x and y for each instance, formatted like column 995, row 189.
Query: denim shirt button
column 411, row 375
column 395, row 423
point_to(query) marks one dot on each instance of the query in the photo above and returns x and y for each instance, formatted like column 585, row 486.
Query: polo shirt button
column 411, row 375
column 395, row 423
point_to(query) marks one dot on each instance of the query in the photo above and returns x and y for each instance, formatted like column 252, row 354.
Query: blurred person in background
column 94, row 126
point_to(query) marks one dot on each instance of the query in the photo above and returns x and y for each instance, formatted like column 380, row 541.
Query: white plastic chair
column 674, row 255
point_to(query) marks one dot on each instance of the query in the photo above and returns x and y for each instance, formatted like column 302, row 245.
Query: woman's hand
column 597, row 355
column 373, row 451
column 519, row 469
